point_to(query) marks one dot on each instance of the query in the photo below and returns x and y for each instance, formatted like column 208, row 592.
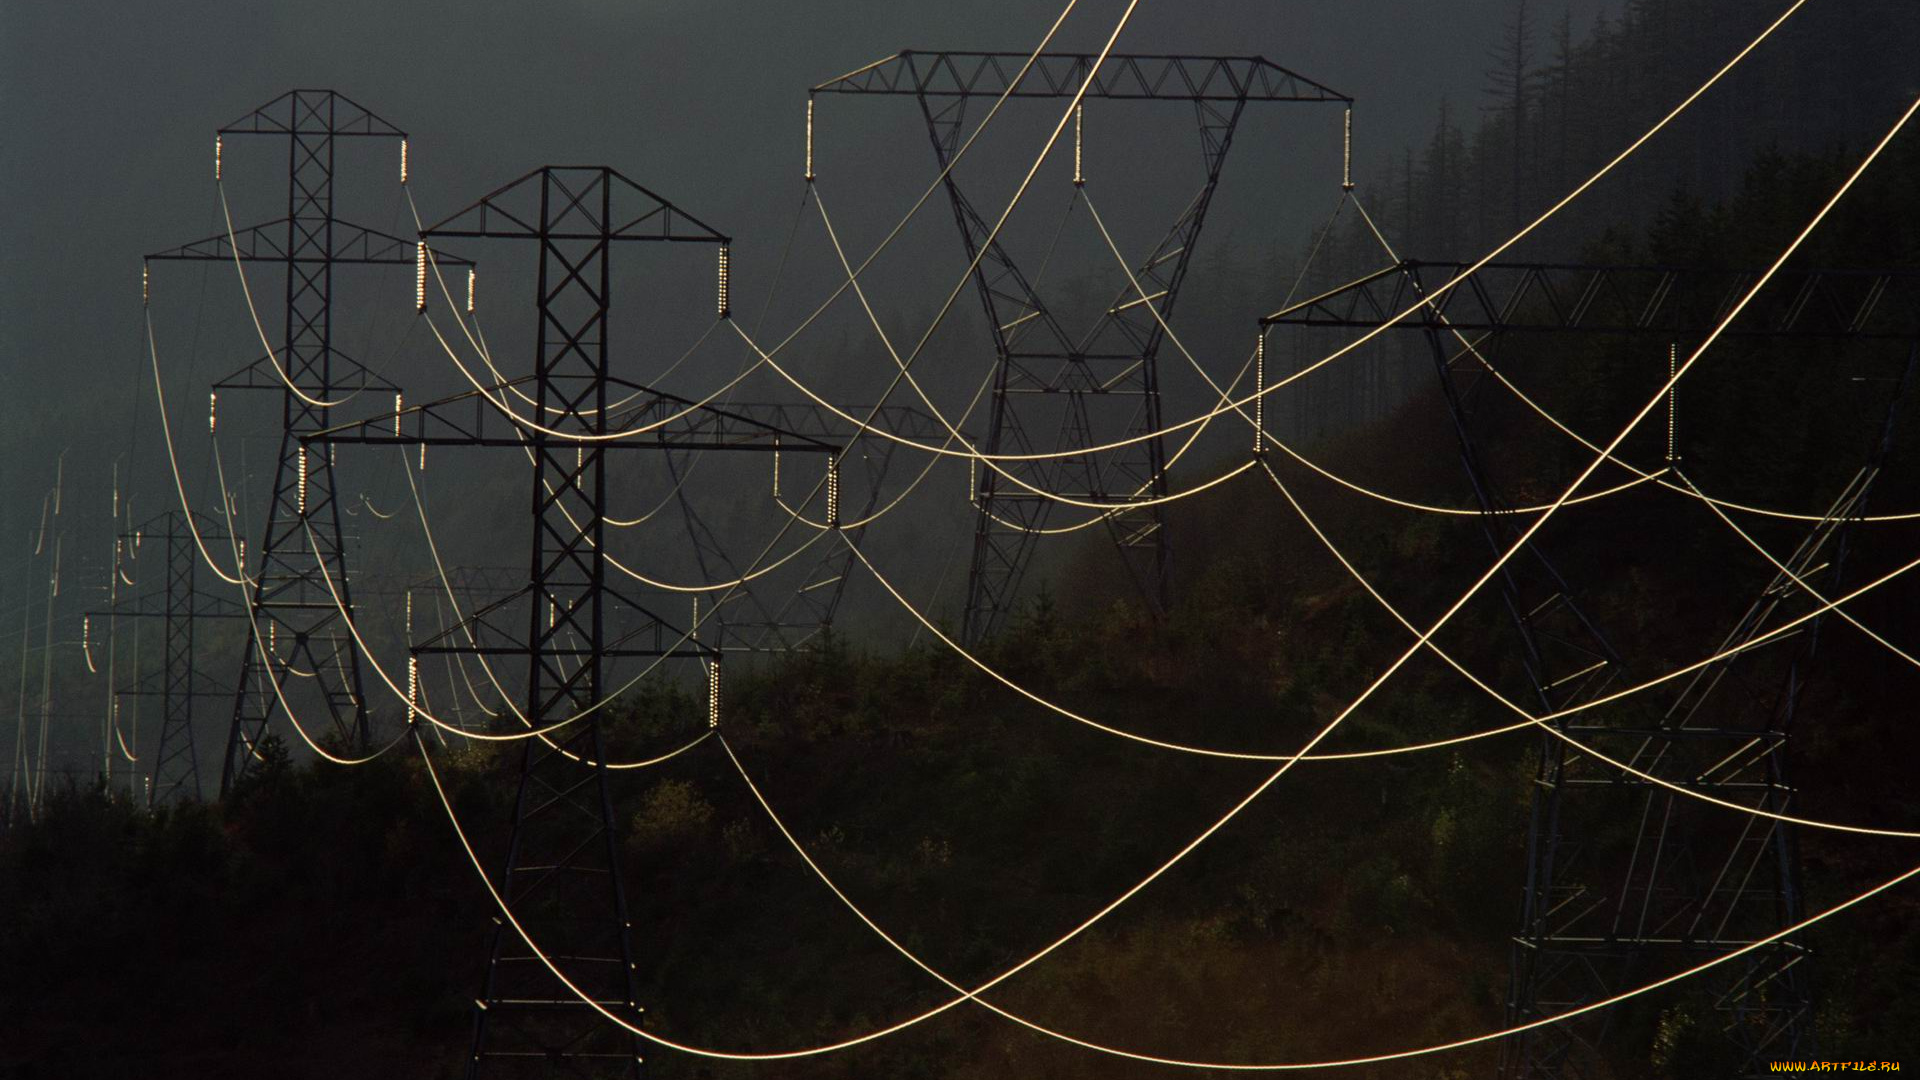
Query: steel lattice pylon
column 291, row 608
column 1602, row 910
column 750, row 623
column 1101, row 384
column 179, row 604
column 562, row 878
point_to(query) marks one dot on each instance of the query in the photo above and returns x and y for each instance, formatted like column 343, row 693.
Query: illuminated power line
column 563, row 853
column 312, row 377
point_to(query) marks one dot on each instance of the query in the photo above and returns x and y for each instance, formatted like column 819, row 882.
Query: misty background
column 109, row 113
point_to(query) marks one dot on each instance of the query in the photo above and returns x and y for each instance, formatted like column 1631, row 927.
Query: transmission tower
column 748, row 623
column 179, row 604
column 1602, row 912
column 562, row 880
column 26, row 785
column 291, row 608
column 1096, row 386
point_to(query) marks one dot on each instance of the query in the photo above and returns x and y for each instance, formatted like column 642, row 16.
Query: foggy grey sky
column 109, row 108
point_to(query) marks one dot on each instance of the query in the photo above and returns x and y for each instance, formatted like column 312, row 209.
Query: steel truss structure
column 562, row 878
column 797, row 621
column 179, row 604
column 291, row 607
column 1603, row 910
column 471, row 587
column 1100, row 384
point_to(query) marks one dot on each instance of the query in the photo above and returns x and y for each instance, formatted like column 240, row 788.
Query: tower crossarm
column 347, row 374
column 312, row 112
column 154, row 684
column 169, row 531
column 472, row 580
column 154, row 606
column 655, row 421
column 487, row 631
column 513, row 211
column 267, row 242
column 1059, row 75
